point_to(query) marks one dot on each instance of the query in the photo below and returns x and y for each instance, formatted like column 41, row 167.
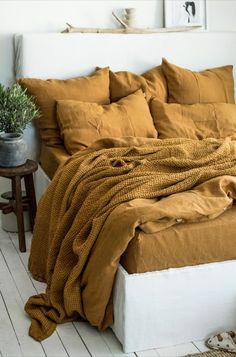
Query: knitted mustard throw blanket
column 97, row 199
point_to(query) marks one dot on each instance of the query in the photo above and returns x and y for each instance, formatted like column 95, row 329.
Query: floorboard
column 201, row 346
column 7, row 333
column 113, row 344
column 72, row 341
column 149, row 353
column 15, row 309
column 93, row 340
column 77, row 339
column 177, row 351
column 66, row 338
column 53, row 346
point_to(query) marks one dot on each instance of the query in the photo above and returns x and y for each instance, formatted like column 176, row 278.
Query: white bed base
column 174, row 306
column 166, row 307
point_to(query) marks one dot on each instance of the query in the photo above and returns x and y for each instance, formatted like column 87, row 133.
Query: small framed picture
column 185, row 13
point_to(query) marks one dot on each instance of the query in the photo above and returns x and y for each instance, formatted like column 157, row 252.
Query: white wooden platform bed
column 165, row 307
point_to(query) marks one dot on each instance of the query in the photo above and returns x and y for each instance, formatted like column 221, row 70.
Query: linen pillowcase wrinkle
column 194, row 121
column 82, row 123
column 93, row 88
column 125, row 83
column 152, row 83
column 215, row 85
column 157, row 84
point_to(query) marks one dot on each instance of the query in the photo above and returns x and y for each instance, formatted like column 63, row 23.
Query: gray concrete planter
column 13, row 150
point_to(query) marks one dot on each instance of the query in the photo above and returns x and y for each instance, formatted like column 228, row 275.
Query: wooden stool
column 18, row 204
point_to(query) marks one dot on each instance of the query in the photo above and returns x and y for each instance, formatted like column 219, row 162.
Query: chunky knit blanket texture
column 94, row 204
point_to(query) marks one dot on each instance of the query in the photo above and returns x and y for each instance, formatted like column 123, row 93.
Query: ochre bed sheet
column 183, row 244
column 51, row 157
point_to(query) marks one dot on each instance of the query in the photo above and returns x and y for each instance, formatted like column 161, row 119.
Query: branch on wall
column 128, row 30
column 123, row 24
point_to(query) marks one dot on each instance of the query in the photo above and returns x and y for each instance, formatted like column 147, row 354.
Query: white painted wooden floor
column 72, row 339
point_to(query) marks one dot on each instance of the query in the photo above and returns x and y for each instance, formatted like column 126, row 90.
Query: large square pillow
column 214, row 85
column 152, row 83
column 82, row 123
column 195, row 121
column 93, row 88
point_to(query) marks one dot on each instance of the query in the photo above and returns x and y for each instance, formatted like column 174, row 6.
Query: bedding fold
column 94, row 205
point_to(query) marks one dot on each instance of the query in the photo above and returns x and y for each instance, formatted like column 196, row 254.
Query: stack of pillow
column 165, row 102
column 200, row 104
column 78, row 111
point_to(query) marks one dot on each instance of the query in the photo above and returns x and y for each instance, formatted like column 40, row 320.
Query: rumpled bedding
column 95, row 202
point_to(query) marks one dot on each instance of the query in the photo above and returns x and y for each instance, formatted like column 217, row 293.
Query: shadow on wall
column 7, row 75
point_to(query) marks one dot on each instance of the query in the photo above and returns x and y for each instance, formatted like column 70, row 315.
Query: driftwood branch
column 123, row 24
column 128, row 30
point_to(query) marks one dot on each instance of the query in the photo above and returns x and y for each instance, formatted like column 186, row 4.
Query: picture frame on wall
column 185, row 13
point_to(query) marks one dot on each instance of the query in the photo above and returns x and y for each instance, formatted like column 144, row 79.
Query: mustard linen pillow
column 152, row 83
column 83, row 123
column 93, row 88
column 214, row 85
column 195, row 121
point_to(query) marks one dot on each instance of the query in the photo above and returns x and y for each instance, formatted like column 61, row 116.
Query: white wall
column 51, row 16
column 42, row 16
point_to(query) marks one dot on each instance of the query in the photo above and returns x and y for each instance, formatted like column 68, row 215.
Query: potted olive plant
column 17, row 109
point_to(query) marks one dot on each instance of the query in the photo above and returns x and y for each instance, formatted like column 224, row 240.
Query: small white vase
column 130, row 17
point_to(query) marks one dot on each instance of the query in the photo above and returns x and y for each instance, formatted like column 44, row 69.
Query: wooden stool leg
column 30, row 192
column 16, row 188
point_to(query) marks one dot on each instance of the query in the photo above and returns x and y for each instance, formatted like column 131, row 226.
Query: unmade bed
column 147, row 291
column 201, row 242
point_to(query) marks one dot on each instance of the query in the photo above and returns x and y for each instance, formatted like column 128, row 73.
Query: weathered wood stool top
column 28, row 168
